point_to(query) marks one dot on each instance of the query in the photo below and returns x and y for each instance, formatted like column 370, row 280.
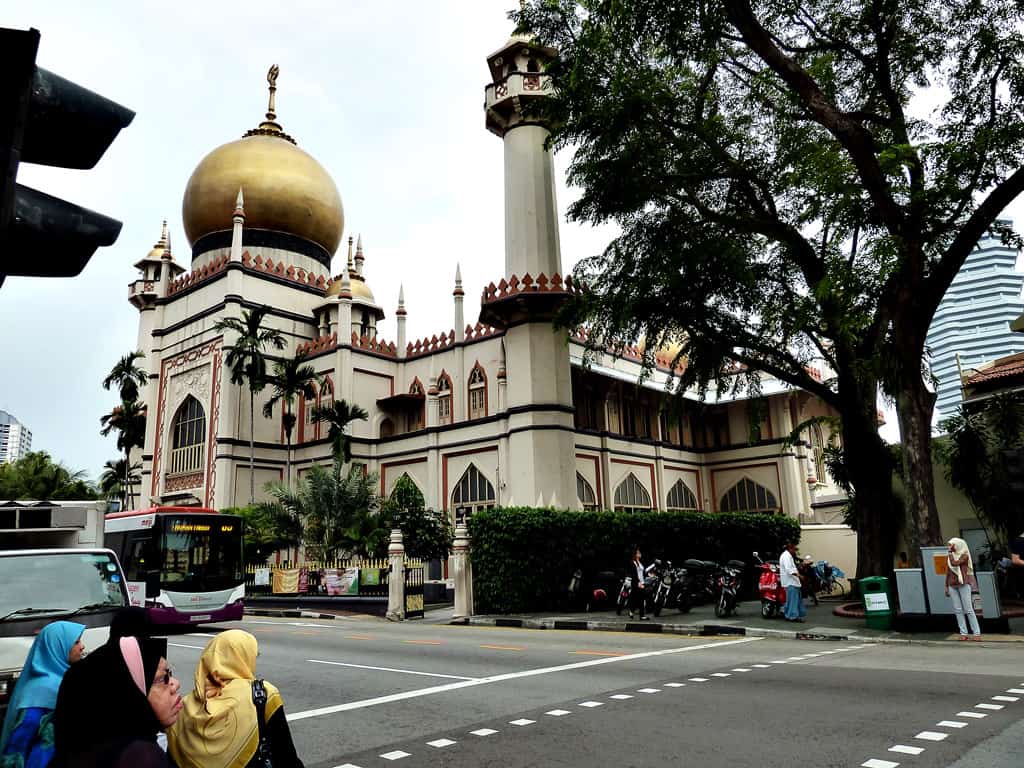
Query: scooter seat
column 737, row 564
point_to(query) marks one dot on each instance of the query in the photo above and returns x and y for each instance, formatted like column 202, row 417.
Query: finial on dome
column 166, row 237
column 349, row 252
column 272, row 74
column 162, row 242
column 270, row 126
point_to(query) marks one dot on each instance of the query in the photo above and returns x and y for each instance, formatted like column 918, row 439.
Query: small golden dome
column 286, row 189
column 357, row 284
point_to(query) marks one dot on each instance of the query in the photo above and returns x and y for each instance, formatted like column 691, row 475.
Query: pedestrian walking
column 960, row 583
column 113, row 703
column 220, row 726
column 790, row 577
column 27, row 737
column 638, row 595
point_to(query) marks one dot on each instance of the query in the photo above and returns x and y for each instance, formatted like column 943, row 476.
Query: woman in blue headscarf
column 27, row 737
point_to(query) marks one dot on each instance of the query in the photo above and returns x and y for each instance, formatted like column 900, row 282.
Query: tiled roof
column 1005, row 367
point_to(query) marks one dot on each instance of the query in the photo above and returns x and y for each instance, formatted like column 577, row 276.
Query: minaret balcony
column 142, row 292
column 533, row 299
column 504, row 99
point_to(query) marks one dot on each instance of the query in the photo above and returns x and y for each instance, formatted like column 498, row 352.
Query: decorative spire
column 166, row 237
column 162, row 242
column 359, row 255
column 349, row 265
column 272, row 74
column 239, row 205
column 270, row 126
column 401, row 300
column 458, row 282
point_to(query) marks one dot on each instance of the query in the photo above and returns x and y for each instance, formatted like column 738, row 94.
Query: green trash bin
column 879, row 608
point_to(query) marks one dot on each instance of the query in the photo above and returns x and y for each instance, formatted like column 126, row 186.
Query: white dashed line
column 720, row 674
column 390, row 669
column 396, row 755
column 827, row 653
column 741, row 669
column 795, row 658
column 811, row 655
column 975, row 715
column 762, row 666
column 876, row 763
column 778, row 661
column 182, row 645
column 904, row 750
column 932, row 736
column 484, row 732
column 988, row 706
column 951, row 724
column 1005, row 698
column 675, row 685
column 590, row 703
column 648, row 690
column 1015, row 690
column 698, row 679
column 557, row 712
column 621, row 696
column 440, row 743
column 521, row 721
column 347, row 765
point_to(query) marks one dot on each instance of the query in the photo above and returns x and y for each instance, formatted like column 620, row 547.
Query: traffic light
column 48, row 120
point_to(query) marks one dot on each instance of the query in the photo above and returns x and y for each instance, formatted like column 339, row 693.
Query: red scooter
column 769, row 587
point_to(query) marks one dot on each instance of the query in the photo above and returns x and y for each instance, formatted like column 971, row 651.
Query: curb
column 286, row 614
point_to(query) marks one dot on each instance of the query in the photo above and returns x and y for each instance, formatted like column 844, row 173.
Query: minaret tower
column 540, row 463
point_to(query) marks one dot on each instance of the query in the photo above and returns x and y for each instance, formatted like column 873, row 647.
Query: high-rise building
column 15, row 439
column 973, row 319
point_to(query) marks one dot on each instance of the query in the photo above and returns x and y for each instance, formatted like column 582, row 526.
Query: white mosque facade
column 495, row 410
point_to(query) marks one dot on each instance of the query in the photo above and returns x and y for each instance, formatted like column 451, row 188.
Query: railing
column 349, row 577
column 187, row 459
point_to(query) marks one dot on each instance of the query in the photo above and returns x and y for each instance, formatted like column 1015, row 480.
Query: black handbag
column 259, row 699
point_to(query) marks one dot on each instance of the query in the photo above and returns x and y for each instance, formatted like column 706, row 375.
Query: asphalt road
column 367, row 693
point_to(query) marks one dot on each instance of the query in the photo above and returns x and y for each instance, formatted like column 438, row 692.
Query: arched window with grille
column 444, row 399
column 473, row 491
column 477, row 392
column 818, row 454
column 681, row 497
column 631, row 496
column 416, row 414
column 188, row 437
column 585, row 493
column 748, row 496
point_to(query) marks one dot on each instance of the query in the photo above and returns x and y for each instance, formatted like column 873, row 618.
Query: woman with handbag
column 222, row 725
column 960, row 582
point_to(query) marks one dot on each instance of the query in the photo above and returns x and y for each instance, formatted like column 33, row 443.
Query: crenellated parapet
column 316, row 346
column 525, row 298
column 205, row 272
column 287, row 271
column 371, row 344
column 432, row 344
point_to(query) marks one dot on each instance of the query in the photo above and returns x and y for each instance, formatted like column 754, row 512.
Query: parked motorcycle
column 662, row 594
column 623, row 597
column 769, row 587
column 701, row 581
column 729, row 579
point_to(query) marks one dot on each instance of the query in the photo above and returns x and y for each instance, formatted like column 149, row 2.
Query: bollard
column 396, row 579
column 462, row 573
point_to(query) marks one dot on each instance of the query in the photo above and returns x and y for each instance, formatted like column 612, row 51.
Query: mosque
column 496, row 410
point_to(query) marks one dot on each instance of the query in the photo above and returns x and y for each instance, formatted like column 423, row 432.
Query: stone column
column 462, row 573
column 396, row 579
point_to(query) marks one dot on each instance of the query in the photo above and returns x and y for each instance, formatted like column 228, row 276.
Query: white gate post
column 396, row 579
column 462, row 573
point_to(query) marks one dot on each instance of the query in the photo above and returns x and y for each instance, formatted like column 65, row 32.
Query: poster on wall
column 286, row 581
column 262, row 577
column 349, row 582
column 303, row 580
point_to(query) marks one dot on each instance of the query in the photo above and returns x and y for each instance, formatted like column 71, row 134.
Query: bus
column 184, row 564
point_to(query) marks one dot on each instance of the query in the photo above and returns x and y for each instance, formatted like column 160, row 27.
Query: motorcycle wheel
column 722, row 606
column 657, row 606
column 683, row 604
column 767, row 609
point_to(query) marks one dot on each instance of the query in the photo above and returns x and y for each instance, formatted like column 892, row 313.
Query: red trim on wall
column 388, row 465
column 444, row 468
column 654, row 485
column 714, row 490
column 597, row 474
column 388, row 376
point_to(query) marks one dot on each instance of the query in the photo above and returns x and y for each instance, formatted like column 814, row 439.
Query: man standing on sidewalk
column 790, row 576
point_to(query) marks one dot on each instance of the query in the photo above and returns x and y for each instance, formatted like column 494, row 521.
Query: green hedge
column 524, row 557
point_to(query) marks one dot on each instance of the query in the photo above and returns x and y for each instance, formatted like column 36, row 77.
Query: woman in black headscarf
column 111, row 709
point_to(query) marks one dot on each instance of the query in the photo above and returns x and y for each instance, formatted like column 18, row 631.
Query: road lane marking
column 906, row 750
column 590, row 704
column 521, row 721
column 698, row 679
column 620, row 696
column 201, row 634
column 484, row 732
column 720, row 674
column 875, row 763
column 396, row 755
column 648, row 690
column 182, row 645
column 1015, row 690
column 988, row 706
column 741, row 669
column 390, row 669
column 951, row 724
column 444, row 688
column 439, row 743
column 761, row 666
column 358, row 637
column 347, row 765
column 557, row 712
column 675, row 685
column 503, row 647
column 932, row 736
column 422, row 642
column 1005, row 698
column 598, row 653
column 975, row 715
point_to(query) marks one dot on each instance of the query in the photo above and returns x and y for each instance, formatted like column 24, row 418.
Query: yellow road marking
column 422, row 642
column 503, row 647
column 598, row 653
column 262, row 630
column 358, row 637
column 309, row 633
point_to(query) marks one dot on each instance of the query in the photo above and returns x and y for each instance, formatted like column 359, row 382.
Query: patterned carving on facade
column 211, row 453
column 183, row 482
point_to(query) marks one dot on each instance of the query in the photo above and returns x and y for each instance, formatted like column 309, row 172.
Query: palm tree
column 127, row 376
column 339, row 415
column 129, row 419
column 112, row 481
column 291, row 378
column 248, row 365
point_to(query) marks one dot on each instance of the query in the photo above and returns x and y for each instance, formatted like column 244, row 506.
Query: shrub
column 524, row 557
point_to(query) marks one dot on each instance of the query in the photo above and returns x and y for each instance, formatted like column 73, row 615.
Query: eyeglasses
column 165, row 678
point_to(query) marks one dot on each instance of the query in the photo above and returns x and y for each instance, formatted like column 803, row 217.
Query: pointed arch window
column 188, row 437
column 473, row 491
column 444, row 399
column 681, row 497
column 477, row 392
column 585, row 493
column 416, row 415
column 817, row 454
column 748, row 496
column 631, row 496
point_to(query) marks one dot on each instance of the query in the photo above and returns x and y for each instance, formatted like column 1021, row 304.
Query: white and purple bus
column 184, row 564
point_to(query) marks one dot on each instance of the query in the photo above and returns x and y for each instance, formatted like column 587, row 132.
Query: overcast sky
column 386, row 94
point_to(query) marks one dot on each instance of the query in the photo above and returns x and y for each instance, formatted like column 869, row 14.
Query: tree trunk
column 129, row 495
column 252, row 447
column 914, row 407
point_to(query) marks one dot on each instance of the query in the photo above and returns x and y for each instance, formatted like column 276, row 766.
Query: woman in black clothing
column 219, row 726
column 112, row 704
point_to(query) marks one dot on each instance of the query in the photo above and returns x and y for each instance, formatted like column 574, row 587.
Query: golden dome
column 357, row 284
column 286, row 189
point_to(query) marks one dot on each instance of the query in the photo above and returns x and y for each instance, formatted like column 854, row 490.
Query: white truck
column 53, row 566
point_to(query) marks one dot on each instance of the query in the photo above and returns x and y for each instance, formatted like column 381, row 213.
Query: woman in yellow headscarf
column 218, row 726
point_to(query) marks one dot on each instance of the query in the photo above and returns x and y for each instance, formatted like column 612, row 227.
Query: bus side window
column 137, row 556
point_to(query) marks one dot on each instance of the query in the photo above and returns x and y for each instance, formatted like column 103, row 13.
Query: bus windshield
column 35, row 584
column 201, row 553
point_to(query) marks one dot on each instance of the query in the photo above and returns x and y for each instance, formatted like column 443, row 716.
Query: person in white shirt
column 790, row 576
